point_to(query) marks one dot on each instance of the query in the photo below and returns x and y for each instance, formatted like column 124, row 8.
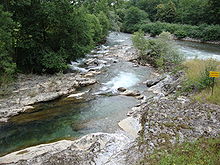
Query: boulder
column 96, row 148
column 130, row 125
column 154, row 81
column 121, row 89
column 131, row 93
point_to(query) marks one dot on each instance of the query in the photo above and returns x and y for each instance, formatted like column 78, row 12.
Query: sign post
column 213, row 74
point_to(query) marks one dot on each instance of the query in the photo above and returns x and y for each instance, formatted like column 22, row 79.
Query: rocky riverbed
column 32, row 89
column 156, row 121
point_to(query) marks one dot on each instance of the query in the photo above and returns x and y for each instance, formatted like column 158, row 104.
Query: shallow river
column 71, row 119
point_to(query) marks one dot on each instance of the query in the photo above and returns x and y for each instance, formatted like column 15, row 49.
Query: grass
column 198, row 80
column 195, row 68
column 201, row 152
column 206, row 95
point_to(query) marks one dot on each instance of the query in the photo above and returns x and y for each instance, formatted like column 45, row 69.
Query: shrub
column 211, row 33
column 158, row 52
column 203, row 32
column 140, row 43
column 53, row 62
column 180, row 34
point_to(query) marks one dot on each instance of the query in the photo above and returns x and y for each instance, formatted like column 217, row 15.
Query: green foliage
column 203, row 32
column 166, row 12
column 133, row 17
column 213, row 10
column 48, row 29
column 95, row 27
column 158, row 52
column 149, row 6
column 203, row 151
column 180, row 34
column 7, row 67
column 114, row 21
column 197, row 74
column 54, row 62
column 103, row 19
column 153, row 28
column 193, row 12
column 140, row 43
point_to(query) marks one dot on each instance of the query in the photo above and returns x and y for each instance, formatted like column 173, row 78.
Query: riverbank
column 197, row 40
column 165, row 121
column 113, row 55
column 156, row 121
column 32, row 89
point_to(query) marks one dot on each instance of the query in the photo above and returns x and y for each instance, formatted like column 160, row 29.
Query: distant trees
column 192, row 12
column 133, row 17
column 166, row 12
column 213, row 10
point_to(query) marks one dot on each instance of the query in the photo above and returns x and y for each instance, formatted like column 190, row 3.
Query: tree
column 7, row 67
column 133, row 17
column 213, row 9
column 104, row 21
column 149, row 6
column 166, row 12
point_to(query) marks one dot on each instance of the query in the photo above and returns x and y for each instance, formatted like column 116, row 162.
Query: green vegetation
column 7, row 67
column 159, row 52
column 197, row 73
column 44, row 36
column 203, row 32
column 199, row 82
column 201, row 152
column 134, row 17
column 197, row 19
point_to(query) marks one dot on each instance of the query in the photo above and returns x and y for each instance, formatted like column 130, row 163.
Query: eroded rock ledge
column 97, row 148
column 34, row 89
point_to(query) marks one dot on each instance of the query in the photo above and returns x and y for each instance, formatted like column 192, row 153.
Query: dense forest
column 43, row 36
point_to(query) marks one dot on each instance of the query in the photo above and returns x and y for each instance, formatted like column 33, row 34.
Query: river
column 71, row 119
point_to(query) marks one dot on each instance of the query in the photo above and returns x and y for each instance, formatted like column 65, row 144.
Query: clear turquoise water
column 71, row 119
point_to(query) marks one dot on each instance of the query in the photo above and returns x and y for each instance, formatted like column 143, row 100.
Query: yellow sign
column 214, row 74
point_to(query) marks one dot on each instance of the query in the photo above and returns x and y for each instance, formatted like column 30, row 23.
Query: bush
column 153, row 29
column 53, row 62
column 180, row 34
column 159, row 52
column 211, row 33
column 203, row 32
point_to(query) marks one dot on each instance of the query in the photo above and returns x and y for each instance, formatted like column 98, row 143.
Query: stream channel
column 71, row 119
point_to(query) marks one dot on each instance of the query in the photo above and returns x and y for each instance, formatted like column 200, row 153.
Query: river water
column 71, row 119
